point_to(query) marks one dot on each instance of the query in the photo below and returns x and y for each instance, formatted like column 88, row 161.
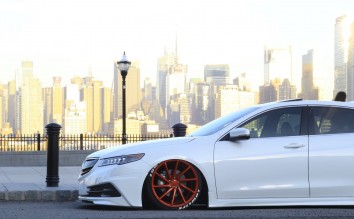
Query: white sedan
column 275, row 154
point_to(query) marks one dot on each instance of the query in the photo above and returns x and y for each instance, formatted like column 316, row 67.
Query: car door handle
column 294, row 146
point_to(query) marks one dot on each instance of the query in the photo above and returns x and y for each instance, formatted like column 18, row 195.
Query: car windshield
column 221, row 122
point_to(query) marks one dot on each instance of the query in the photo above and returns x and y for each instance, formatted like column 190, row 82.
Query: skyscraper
column 269, row 93
column 341, row 38
column 201, row 104
column 171, row 84
column 29, row 104
column 277, row 63
column 75, row 110
column 217, row 74
column 147, row 90
column 3, row 100
column 53, row 100
column 350, row 64
column 286, row 90
column 164, row 64
column 242, row 82
column 229, row 99
column 57, row 101
column 179, row 109
column 90, row 93
column 309, row 68
column 47, row 96
column 75, row 119
column 11, row 87
column 176, row 81
column 107, row 108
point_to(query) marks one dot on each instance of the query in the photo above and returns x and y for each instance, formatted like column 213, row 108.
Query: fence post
column 81, row 142
column 52, row 178
column 179, row 129
column 38, row 142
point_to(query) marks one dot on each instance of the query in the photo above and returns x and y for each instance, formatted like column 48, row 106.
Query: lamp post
column 123, row 66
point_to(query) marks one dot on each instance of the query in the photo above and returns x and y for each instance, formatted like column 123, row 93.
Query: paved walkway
column 29, row 183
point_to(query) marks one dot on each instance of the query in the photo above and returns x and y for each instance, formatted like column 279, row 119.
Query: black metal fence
column 38, row 142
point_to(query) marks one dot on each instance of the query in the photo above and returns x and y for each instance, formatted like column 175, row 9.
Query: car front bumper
column 127, row 179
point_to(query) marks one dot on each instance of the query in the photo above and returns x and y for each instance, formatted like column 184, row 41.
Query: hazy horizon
column 67, row 38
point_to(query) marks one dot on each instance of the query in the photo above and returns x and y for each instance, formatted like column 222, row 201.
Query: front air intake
column 102, row 190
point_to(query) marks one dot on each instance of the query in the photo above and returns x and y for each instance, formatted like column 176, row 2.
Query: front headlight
column 120, row 160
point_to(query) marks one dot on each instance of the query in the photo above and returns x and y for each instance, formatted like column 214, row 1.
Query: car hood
column 140, row 147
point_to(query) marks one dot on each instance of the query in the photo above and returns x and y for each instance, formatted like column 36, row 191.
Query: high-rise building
column 75, row 119
column 53, row 100
column 341, row 41
column 29, row 104
column 344, row 56
column 218, row 75
column 179, row 109
column 171, row 83
column 150, row 105
column 242, row 82
column 75, row 110
column 47, row 96
column 176, row 81
column 350, row 64
column 309, row 90
column 147, row 90
column 229, row 99
column 57, row 101
column 4, row 109
column 164, row 63
column 286, row 90
column 2, row 106
column 90, row 93
column 11, row 115
column 133, row 91
column 107, row 108
column 193, row 82
column 201, row 104
column 277, row 63
column 269, row 93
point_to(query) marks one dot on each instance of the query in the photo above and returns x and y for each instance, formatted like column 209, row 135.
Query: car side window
column 332, row 120
column 276, row 123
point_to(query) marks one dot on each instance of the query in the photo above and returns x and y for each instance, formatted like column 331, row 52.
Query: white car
column 276, row 154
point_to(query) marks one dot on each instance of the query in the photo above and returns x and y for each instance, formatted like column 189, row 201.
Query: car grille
column 102, row 190
column 88, row 164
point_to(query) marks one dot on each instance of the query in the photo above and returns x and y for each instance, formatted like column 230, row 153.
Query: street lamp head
column 124, row 65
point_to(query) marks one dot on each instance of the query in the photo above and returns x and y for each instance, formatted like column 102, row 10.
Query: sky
column 69, row 38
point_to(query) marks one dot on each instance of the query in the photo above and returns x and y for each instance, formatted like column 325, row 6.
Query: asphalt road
column 77, row 210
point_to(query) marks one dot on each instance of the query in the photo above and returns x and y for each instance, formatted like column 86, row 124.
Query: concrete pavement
column 29, row 184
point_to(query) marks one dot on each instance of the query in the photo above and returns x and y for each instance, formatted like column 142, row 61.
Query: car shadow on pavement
column 90, row 206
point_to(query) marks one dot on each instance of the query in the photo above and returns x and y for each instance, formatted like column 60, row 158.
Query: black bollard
column 53, row 131
column 179, row 130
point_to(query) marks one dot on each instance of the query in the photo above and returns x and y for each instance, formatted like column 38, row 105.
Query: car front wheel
column 173, row 184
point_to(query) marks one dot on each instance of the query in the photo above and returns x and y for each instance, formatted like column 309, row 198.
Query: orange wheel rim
column 175, row 183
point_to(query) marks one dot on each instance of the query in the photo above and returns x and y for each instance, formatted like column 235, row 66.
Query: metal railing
column 34, row 142
column 38, row 142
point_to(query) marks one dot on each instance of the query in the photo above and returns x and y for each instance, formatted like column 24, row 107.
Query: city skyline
column 72, row 38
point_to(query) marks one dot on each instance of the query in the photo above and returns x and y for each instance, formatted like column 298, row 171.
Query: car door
column 331, row 153
column 273, row 163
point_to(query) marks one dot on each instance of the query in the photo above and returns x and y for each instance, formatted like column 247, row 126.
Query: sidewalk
column 29, row 184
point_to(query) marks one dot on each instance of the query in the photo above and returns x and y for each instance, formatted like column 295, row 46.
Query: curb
column 35, row 195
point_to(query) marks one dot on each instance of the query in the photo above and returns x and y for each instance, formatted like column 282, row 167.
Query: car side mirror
column 239, row 134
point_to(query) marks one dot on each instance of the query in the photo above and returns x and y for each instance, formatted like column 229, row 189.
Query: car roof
column 299, row 102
